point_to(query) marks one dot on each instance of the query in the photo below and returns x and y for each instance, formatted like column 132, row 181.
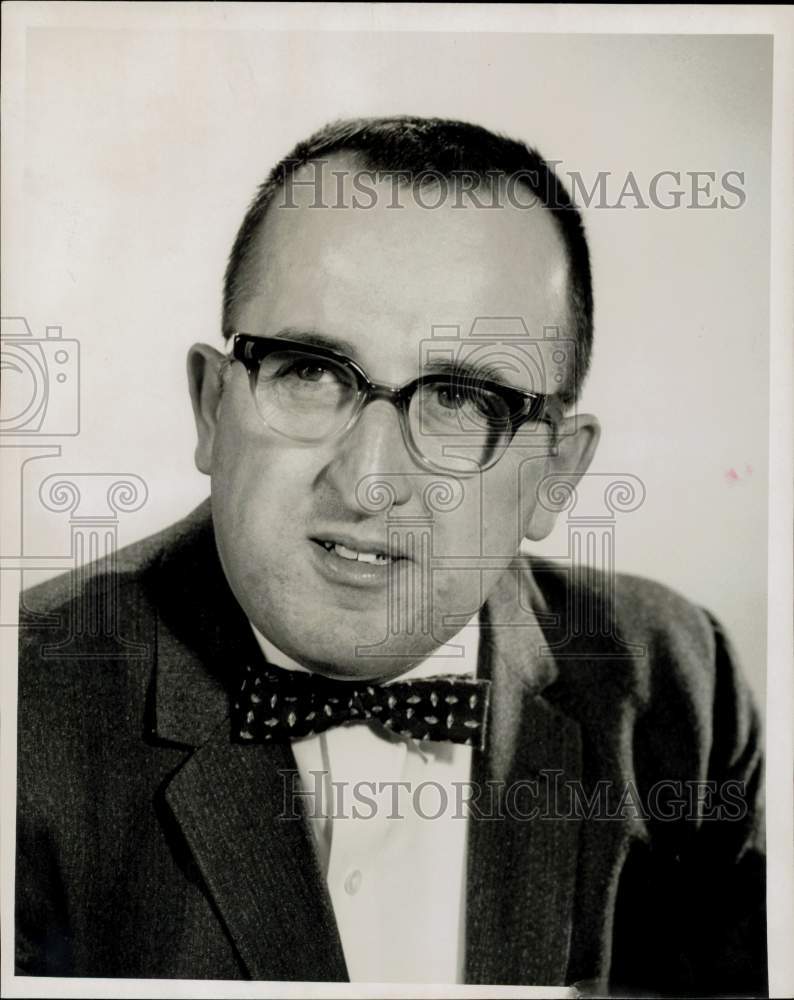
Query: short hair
column 428, row 149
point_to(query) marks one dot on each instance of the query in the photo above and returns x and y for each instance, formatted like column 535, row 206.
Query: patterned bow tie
column 277, row 705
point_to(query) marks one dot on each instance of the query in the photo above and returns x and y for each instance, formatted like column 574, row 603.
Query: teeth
column 354, row 556
column 373, row 557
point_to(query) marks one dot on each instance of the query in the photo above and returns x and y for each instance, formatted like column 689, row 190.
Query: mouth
column 374, row 557
column 345, row 559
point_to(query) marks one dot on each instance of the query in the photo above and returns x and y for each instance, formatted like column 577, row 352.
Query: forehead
column 352, row 265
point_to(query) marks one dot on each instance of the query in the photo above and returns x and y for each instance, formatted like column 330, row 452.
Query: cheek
column 260, row 493
column 492, row 517
column 485, row 525
column 491, row 520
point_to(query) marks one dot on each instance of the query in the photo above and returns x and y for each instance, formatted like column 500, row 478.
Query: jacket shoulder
column 91, row 636
column 126, row 567
column 88, row 646
column 631, row 604
column 647, row 655
column 633, row 637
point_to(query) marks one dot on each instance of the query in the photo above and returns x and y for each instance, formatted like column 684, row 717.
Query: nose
column 372, row 463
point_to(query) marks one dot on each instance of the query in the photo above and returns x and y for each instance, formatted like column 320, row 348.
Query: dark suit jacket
column 149, row 843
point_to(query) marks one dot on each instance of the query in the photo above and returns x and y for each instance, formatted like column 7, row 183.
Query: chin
column 352, row 643
column 381, row 657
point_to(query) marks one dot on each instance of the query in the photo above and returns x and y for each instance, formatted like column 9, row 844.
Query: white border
column 780, row 676
column 549, row 18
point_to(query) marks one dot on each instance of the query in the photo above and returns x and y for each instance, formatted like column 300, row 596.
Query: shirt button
column 353, row 882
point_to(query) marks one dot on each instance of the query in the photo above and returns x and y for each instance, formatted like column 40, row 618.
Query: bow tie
column 277, row 705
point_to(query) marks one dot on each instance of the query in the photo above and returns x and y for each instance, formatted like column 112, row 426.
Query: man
column 408, row 315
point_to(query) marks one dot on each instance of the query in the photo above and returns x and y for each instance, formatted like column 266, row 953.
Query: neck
column 456, row 656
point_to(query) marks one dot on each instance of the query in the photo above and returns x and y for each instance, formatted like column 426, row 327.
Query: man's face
column 375, row 282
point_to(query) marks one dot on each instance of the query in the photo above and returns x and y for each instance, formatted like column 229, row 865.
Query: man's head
column 410, row 247
column 473, row 166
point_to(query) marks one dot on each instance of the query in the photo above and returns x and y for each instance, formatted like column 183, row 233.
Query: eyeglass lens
column 454, row 423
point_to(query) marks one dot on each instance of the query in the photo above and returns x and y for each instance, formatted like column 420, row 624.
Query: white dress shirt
column 394, row 856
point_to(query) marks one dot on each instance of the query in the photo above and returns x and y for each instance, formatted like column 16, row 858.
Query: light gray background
column 143, row 147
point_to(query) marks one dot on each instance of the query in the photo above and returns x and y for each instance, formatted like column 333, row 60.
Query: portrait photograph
column 396, row 542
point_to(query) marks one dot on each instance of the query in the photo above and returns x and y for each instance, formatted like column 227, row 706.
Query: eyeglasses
column 455, row 421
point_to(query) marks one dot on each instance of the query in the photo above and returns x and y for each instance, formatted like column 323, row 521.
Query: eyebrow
column 462, row 368
column 313, row 338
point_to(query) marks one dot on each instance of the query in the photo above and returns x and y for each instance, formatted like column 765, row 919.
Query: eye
column 307, row 370
column 450, row 397
column 474, row 401
column 311, row 371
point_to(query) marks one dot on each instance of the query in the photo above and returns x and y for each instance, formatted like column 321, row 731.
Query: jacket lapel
column 521, row 861
column 231, row 801
column 233, row 804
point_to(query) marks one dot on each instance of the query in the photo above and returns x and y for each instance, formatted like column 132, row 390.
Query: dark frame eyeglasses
column 520, row 407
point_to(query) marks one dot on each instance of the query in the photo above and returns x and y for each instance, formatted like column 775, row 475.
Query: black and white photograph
column 396, row 452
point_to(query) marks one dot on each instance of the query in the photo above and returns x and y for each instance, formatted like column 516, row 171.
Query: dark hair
column 428, row 149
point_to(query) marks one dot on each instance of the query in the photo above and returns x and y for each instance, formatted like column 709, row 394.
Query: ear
column 577, row 440
column 203, row 375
